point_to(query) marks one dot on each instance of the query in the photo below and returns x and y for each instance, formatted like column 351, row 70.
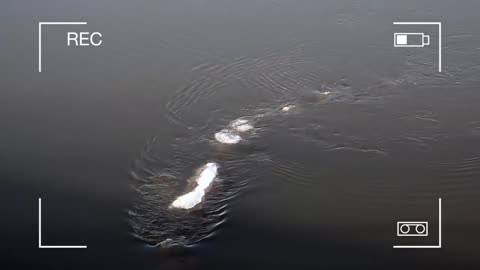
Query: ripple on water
column 293, row 84
column 160, row 181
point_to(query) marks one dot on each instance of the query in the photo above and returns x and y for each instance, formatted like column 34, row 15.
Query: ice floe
column 231, row 134
column 287, row 108
column 227, row 136
column 194, row 197
column 241, row 125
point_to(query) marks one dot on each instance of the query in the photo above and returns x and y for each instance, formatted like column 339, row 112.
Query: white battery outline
column 401, row 40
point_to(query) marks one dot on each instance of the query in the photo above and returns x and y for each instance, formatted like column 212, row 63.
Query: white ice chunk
column 241, row 125
column 288, row 108
column 207, row 175
column 189, row 200
column 194, row 197
column 227, row 136
column 239, row 121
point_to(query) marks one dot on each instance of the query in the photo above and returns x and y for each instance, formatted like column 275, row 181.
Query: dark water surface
column 108, row 136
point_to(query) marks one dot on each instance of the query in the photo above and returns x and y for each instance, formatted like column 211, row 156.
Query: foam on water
column 194, row 197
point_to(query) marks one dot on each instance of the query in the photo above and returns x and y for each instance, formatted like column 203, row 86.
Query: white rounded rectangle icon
column 411, row 40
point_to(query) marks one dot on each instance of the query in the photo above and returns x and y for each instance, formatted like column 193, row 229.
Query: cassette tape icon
column 412, row 228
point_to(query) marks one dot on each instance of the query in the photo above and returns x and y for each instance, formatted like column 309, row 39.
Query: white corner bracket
column 439, row 37
column 439, row 230
column 40, row 37
column 40, row 230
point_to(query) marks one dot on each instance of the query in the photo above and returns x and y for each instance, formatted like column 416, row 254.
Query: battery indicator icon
column 411, row 40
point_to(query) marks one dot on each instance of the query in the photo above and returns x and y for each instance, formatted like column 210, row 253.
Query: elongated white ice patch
column 194, row 197
column 227, row 136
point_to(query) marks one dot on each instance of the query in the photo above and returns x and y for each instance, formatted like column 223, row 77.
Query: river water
column 349, row 134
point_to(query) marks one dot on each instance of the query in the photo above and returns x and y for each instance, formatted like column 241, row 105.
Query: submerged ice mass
column 194, row 197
